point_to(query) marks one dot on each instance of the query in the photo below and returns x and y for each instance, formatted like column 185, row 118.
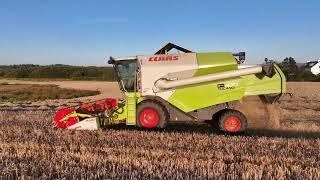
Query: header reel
column 89, row 116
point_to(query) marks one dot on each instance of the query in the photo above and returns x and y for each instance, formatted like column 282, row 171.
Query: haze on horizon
column 86, row 32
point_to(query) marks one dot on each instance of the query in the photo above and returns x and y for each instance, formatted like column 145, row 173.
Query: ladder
column 131, row 108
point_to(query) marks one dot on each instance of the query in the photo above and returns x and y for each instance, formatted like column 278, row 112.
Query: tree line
column 58, row 71
column 293, row 72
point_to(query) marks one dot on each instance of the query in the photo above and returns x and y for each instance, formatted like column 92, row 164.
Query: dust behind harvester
column 260, row 113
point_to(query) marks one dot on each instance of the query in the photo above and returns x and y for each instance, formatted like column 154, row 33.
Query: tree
column 289, row 68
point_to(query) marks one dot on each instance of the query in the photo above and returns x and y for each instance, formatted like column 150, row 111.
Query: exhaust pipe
column 167, row 84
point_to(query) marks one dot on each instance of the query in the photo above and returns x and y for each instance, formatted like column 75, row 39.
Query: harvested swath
column 31, row 148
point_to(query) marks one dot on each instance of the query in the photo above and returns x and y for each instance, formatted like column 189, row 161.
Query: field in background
column 35, row 92
column 287, row 147
column 105, row 89
column 302, row 110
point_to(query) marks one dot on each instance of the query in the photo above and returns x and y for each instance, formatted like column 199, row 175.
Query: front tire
column 151, row 114
column 232, row 122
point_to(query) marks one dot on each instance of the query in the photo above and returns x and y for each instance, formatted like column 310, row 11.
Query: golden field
column 288, row 147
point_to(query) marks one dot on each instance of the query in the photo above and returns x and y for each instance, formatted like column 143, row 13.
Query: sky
column 87, row 32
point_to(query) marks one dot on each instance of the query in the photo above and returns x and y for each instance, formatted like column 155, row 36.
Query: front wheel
column 151, row 114
column 232, row 121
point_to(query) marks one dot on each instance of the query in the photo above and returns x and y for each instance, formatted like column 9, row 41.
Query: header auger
column 186, row 86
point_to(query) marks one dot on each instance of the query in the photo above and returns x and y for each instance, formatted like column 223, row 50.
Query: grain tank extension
column 187, row 86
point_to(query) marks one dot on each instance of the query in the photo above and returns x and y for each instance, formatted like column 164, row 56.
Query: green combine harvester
column 186, row 86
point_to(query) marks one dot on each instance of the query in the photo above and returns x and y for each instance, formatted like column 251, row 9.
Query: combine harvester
column 187, row 86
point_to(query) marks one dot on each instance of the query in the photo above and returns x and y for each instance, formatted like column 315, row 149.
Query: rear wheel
column 232, row 121
column 151, row 114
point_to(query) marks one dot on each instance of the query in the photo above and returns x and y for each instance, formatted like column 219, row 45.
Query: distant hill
column 57, row 71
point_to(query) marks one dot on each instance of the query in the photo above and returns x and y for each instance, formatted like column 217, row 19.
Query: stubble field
column 30, row 147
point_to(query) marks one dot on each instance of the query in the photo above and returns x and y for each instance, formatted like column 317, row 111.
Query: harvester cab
column 178, row 87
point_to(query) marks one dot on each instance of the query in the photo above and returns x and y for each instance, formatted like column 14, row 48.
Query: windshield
column 126, row 71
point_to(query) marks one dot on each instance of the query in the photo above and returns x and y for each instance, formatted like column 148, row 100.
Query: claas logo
column 164, row 58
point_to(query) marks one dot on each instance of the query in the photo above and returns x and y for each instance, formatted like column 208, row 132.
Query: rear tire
column 232, row 121
column 151, row 114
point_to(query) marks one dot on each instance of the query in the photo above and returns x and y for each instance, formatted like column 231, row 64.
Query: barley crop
column 30, row 147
